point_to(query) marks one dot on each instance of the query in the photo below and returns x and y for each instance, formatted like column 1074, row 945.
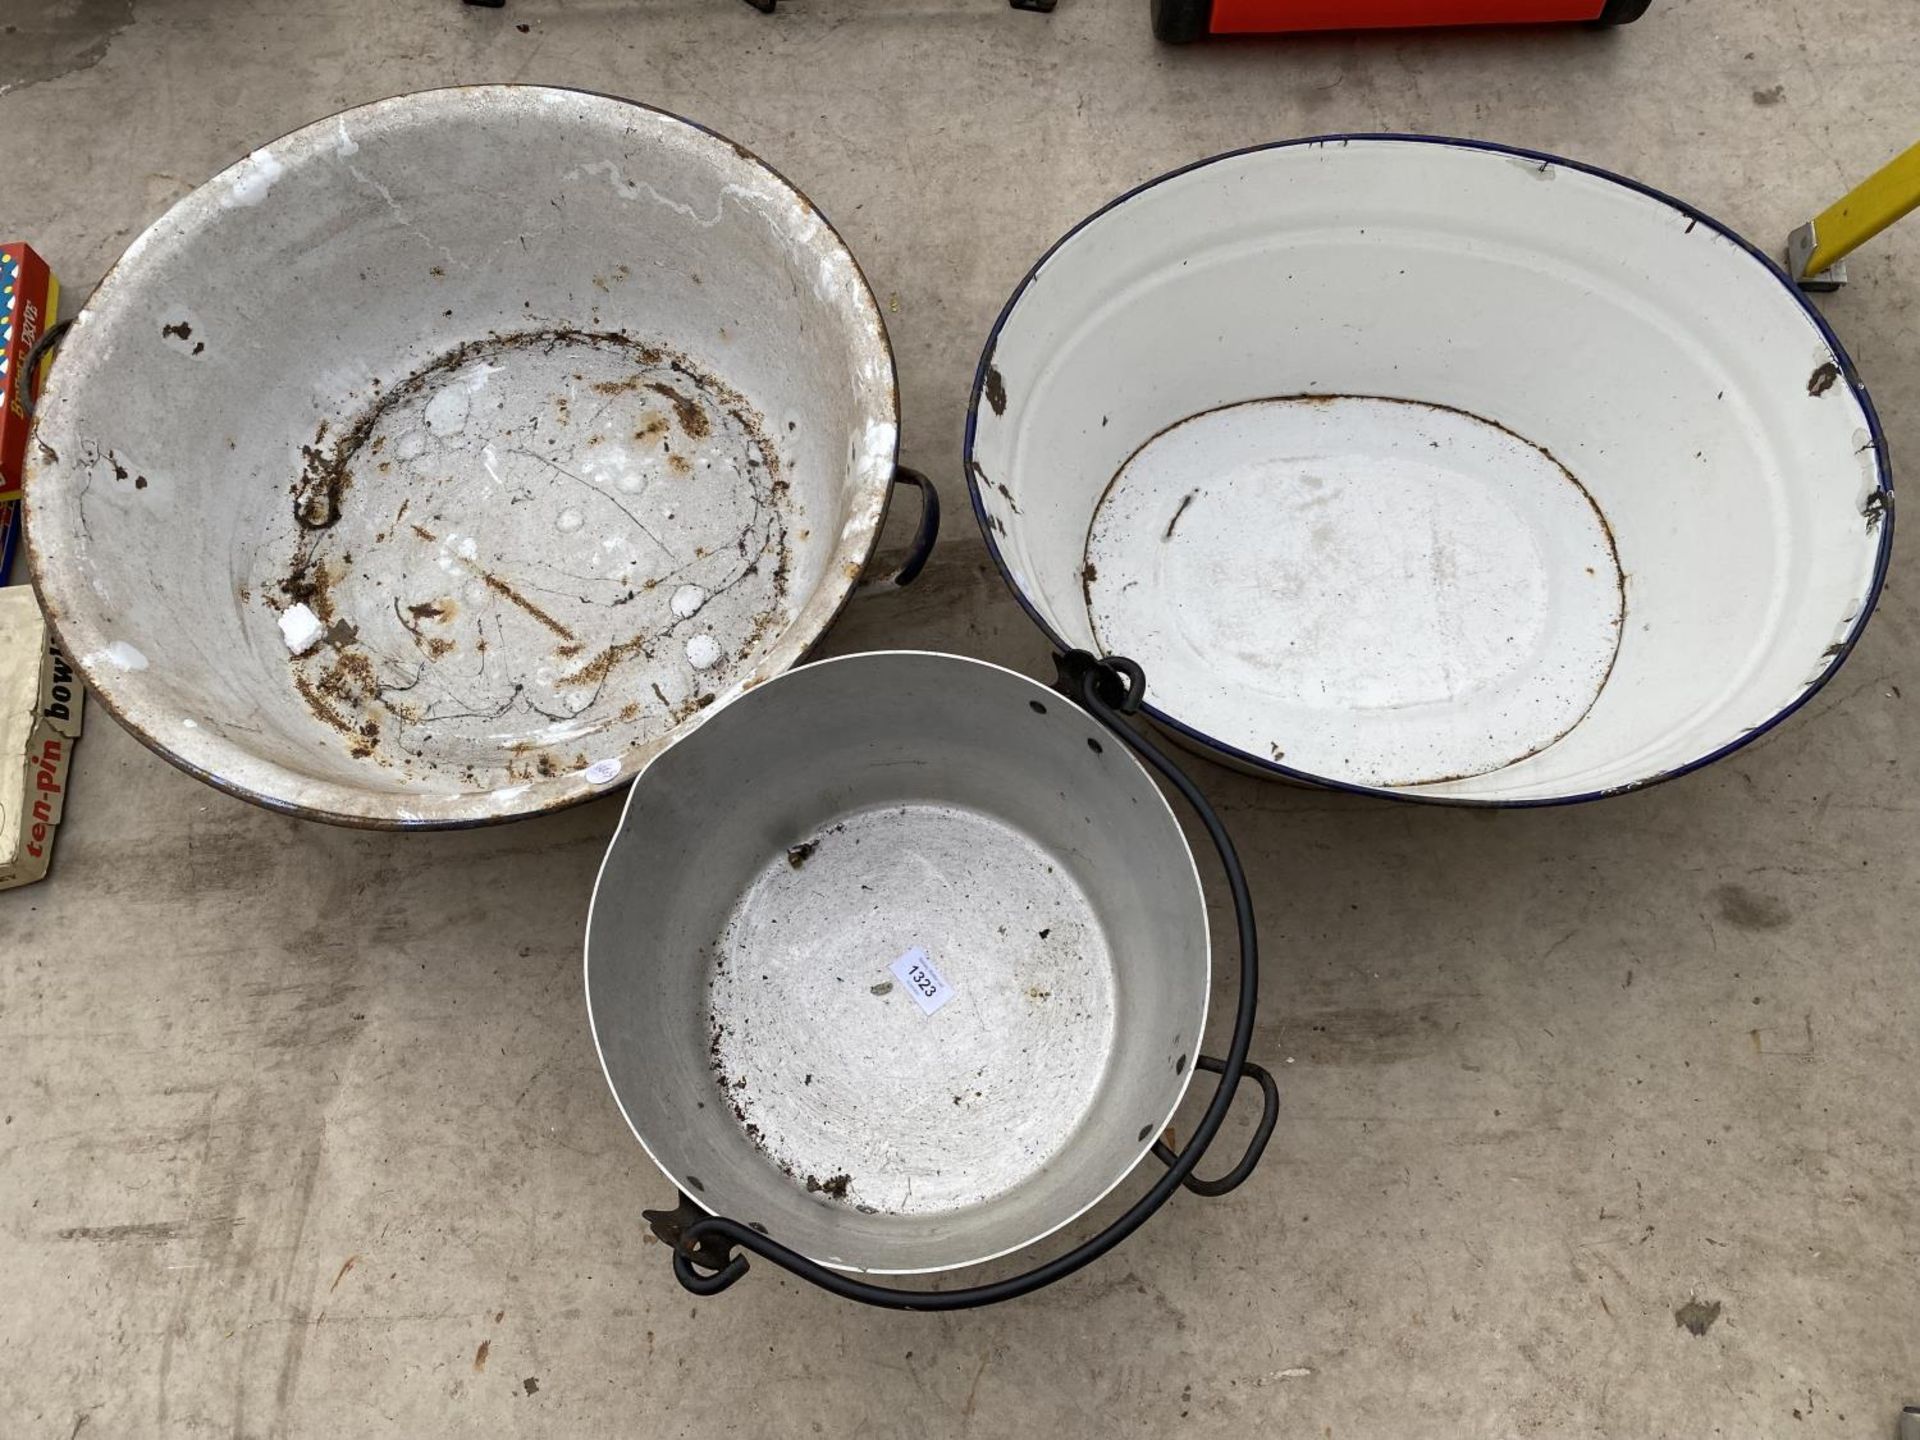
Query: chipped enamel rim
column 64, row 593
column 1265, row 766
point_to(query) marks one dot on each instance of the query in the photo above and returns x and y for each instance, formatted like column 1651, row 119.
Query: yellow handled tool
column 1815, row 250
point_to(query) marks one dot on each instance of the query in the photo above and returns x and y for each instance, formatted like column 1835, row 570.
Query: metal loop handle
column 1262, row 1132
column 1107, row 689
column 30, row 370
column 1117, row 682
column 923, row 538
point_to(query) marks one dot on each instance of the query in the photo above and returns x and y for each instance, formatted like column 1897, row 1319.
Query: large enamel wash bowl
column 560, row 418
column 1431, row 468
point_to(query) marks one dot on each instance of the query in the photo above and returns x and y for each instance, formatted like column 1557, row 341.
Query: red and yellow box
column 32, row 299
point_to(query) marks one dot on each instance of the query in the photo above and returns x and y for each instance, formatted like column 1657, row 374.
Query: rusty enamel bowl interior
column 564, row 418
column 1434, row 469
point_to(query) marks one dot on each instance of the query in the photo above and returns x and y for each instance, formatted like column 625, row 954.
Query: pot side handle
column 1262, row 1131
column 41, row 352
column 923, row 539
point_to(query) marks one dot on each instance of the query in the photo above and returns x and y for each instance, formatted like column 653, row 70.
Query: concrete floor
column 304, row 1134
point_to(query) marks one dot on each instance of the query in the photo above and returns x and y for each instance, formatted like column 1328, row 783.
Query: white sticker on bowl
column 601, row 771
column 924, row 983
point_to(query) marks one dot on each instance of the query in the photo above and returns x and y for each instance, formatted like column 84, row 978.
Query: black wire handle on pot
column 703, row 1245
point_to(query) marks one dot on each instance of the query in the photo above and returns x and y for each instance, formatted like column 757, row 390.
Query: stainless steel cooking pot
column 901, row 962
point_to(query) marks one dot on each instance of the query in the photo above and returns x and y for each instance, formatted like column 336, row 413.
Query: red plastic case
column 1180, row 21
